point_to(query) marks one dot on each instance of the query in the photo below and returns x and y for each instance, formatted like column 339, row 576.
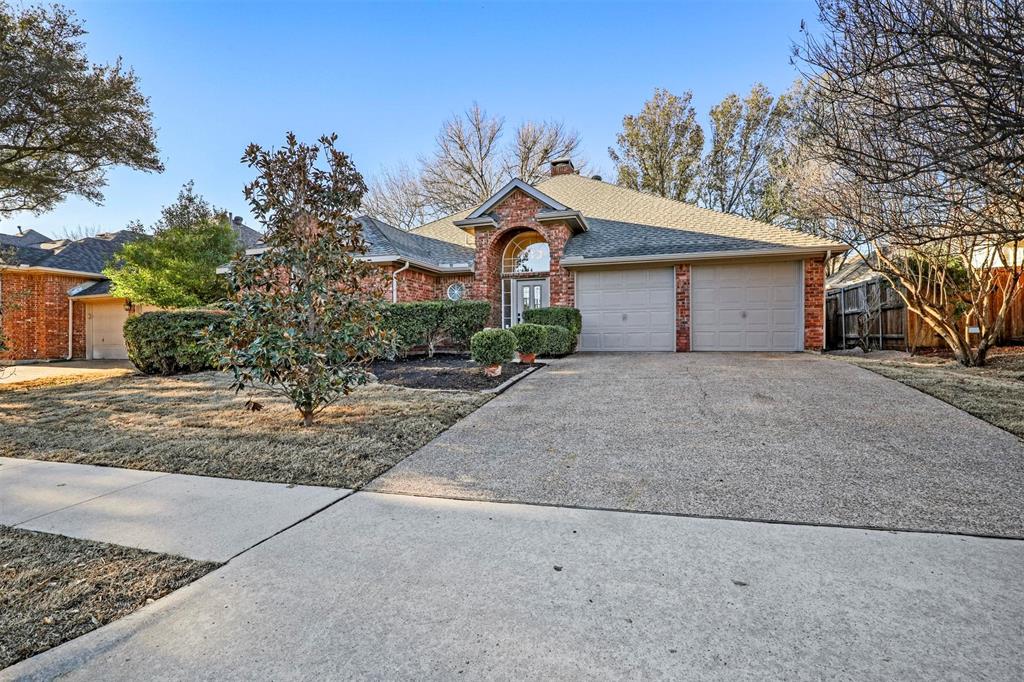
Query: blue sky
column 384, row 76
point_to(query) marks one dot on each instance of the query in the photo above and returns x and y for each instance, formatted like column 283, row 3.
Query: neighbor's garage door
column 627, row 309
column 104, row 331
column 746, row 307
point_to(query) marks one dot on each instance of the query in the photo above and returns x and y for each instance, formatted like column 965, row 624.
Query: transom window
column 527, row 252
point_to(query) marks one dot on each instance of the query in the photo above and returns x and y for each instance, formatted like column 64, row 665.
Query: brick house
column 647, row 273
column 55, row 302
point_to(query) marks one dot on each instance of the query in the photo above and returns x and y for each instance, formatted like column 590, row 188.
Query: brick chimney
column 562, row 166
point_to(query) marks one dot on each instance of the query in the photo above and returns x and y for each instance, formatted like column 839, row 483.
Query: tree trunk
column 307, row 416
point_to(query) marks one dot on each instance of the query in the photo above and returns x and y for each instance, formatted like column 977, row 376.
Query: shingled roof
column 385, row 241
column 89, row 255
column 625, row 223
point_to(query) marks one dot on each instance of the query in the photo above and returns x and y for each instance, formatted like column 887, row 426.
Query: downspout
column 394, row 281
column 71, row 326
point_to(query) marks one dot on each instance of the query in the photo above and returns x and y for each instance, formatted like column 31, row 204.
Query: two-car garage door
column 748, row 307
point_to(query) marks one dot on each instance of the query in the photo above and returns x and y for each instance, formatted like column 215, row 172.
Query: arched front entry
column 525, row 272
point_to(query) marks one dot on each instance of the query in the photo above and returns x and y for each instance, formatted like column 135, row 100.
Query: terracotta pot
column 527, row 358
column 492, row 370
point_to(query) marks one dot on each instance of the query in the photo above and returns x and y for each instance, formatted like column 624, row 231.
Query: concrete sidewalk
column 396, row 587
column 194, row 516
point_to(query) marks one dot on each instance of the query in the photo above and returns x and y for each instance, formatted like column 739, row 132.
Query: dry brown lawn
column 53, row 588
column 994, row 393
column 195, row 424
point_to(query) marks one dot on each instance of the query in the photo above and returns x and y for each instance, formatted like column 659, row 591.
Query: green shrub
column 173, row 342
column 561, row 316
column 559, row 341
column 530, row 338
column 492, row 346
column 432, row 323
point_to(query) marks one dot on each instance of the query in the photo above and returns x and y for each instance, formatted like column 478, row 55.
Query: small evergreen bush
column 173, row 342
column 492, row 346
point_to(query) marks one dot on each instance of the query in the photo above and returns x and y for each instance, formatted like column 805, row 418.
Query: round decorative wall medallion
column 456, row 291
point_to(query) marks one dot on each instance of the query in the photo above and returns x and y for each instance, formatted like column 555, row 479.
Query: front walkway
column 398, row 587
column 779, row 437
column 198, row 517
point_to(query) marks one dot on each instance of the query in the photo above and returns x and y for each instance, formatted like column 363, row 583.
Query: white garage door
column 104, row 331
column 627, row 309
column 746, row 307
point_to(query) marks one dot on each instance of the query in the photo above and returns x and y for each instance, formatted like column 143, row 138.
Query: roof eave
column 569, row 215
column 579, row 261
column 57, row 271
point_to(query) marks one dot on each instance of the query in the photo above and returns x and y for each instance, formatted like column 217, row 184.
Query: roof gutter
column 58, row 271
column 579, row 261
column 423, row 265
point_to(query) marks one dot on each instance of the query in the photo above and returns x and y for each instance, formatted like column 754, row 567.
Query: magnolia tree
column 306, row 315
column 914, row 148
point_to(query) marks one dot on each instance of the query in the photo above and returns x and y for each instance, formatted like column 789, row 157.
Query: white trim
column 423, row 265
column 60, row 271
column 802, row 251
column 803, row 313
column 508, row 188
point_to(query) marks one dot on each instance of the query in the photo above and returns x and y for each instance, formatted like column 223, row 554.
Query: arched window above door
column 527, row 252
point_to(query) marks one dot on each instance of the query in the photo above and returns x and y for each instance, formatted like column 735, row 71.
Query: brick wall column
column 682, row 308
column 814, row 304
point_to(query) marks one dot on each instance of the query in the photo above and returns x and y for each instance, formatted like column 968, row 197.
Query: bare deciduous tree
column 465, row 168
column 917, row 134
column 397, row 198
column 468, row 165
column 536, row 145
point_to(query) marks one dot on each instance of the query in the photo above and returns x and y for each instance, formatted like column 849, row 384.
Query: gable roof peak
column 511, row 186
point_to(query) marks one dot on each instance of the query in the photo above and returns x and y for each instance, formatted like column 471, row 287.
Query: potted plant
column 491, row 348
column 530, row 340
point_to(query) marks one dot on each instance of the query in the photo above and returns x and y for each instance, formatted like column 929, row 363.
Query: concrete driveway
column 59, row 371
column 793, row 437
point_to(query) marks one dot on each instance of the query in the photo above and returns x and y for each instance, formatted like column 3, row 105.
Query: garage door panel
column 626, row 310
column 747, row 307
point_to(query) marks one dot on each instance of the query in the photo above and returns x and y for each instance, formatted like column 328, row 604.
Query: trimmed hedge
column 560, row 316
column 432, row 323
column 530, row 338
column 172, row 342
column 559, row 341
column 492, row 346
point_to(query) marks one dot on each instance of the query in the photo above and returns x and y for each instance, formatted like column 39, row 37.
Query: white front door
column 756, row 307
column 627, row 310
column 528, row 294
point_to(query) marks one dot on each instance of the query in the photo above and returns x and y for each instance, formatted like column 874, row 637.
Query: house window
column 456, row 291
column 527, row 252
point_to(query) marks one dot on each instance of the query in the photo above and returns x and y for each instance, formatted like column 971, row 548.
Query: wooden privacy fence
column 874, row 312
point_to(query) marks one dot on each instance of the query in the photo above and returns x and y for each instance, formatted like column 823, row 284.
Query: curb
column 500, row 388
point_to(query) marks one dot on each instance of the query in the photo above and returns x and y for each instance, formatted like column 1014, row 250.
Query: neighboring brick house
column 647, row 273
column 55, row 301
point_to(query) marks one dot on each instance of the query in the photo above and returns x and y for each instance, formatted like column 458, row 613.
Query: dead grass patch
column 196, row 425
column 54, row 588
column 994, row 393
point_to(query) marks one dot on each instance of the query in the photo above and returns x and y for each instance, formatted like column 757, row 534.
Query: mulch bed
column 54, row 588
column 447, row 372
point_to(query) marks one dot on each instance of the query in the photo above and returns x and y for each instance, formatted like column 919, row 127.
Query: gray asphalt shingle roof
column 624, row 222
column 90, row 255
column 384, row 240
